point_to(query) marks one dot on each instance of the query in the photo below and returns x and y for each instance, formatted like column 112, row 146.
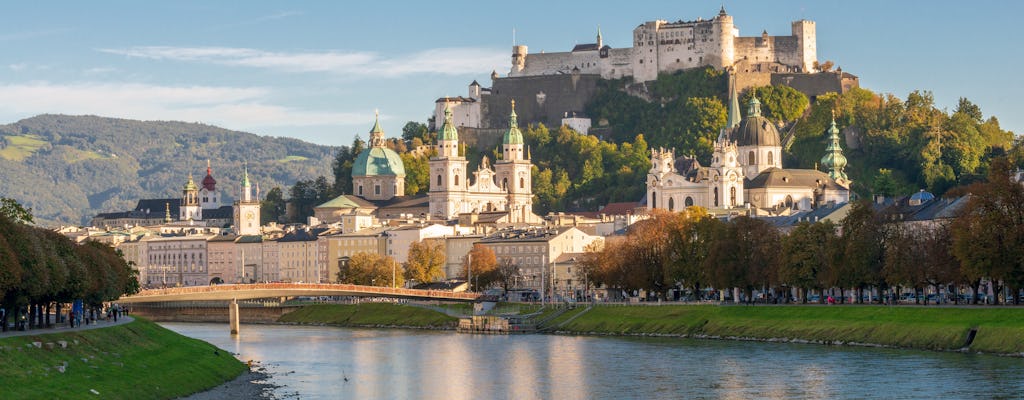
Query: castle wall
column 560, row 63
column 561, row 94
column 817, row 84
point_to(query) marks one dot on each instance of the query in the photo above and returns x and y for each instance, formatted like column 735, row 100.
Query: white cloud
column 230, row 107
column 446, row 61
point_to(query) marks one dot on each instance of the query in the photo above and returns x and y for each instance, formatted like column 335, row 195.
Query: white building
column 176, row 260
column 507, row 187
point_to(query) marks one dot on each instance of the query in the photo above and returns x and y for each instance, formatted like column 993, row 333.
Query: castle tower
column 806, row 36
column 834, row 161
column 247, row 209
column 518, row 59
column 513, row 171
column 448, row 180
column 208, row 190
column 378, row 172
column 725, row 33
column 190, row 209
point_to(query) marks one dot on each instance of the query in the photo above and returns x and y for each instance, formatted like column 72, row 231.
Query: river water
column 312, row 362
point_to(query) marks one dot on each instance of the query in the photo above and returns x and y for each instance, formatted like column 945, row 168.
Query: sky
column 317, row 71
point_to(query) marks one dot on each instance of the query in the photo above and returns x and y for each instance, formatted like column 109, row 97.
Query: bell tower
column 247, row 209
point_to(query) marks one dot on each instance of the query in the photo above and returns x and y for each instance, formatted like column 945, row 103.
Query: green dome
column 834, row 160
column 756, row 130
column 190, row 186
column 377, row 161
column 513, row 135
column 448, row 131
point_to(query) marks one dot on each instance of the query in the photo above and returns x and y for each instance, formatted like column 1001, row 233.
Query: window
column 376, row 189
column 732, row 196
column 438, row 182
column 771, row 159
column 750, row 158
column 361, row 189
column 671, row 204
column 522, row 182
column 504, row 184
column 716, row 197
column 789, row 201
column 689, row 201
column 456, row 180
column 654, row 199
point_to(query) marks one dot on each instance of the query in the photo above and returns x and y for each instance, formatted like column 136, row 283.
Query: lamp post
column 393, row 269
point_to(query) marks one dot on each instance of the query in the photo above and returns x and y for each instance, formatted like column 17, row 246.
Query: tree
column 779, row 102
column 415, row 130
column 480, row 266
column 273, row 207
column 806, row 253
column 506, row 273
column 15, row 211
column 426, row 261
column 371, row 269
column 342, row 165
column 862, row 250
column 988, row 237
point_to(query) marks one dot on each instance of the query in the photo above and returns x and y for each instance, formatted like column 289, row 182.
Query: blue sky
column 318, row 70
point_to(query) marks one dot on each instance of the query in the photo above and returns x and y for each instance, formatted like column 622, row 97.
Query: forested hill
column 68, row 168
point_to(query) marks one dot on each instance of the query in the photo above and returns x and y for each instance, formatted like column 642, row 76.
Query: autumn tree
column 426, row 261
column 480, row 266
column 988, row 237
column 862, row 249
column 371, row 269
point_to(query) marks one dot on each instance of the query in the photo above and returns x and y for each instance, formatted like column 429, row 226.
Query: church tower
column 834, row 161
column 190, row 206
column 726, row 176
column 208, row 191
column 448, row 180
column 247, row 209
column 513, row 171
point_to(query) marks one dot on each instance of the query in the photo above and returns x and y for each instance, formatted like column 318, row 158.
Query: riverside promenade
column 60, row 328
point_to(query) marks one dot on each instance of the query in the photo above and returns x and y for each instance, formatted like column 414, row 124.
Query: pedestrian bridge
column 270, row 290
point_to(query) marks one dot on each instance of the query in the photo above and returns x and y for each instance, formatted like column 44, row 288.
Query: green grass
column 370, row 314
column 138, row 360
column 73, row 155
column 1000, row 330
column 22, row 146
column 292, row 158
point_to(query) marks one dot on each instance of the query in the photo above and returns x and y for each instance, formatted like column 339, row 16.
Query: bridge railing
column 361, row 289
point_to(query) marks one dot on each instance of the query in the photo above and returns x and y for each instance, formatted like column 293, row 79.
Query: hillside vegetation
column 68, row 168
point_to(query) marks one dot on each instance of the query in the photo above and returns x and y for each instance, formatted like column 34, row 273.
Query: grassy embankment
column 138, row 360
column 370, row 315
column 999, row 330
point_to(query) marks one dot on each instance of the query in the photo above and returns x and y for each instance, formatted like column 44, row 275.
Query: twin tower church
column 501, row 190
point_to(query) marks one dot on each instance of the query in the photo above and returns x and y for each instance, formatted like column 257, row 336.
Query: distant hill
column 68, row 168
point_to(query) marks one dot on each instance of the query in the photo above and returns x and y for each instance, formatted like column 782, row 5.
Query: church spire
column 167, row 212
column 734, row 105
column 600, row 41
column 448, row 131
column 834, row 160
column 513, row 135
column 376, row 133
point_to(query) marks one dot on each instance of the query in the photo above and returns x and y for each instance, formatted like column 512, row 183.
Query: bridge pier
column 233, row 317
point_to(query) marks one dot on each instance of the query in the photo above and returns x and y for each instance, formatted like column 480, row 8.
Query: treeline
column 40, row 269
column 868, row 250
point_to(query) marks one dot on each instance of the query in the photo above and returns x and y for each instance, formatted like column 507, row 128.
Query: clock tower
column 247, row 210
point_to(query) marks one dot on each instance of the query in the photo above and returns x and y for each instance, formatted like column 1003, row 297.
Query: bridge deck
column 266, row 290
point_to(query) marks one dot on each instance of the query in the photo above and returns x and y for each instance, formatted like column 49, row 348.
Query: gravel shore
column 254, row 384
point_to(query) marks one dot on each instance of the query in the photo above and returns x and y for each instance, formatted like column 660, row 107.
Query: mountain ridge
column 67, row 168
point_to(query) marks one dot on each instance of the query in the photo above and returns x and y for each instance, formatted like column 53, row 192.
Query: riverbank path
column 61, row 328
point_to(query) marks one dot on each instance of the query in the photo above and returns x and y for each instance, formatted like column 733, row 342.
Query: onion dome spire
column 191, row 184
column 754, row 107
column 448, row 131
column 167, row 212
column 834, row 160
column 513, row 135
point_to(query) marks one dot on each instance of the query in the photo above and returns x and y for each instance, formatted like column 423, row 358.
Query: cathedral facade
column 504, row 187
column 746, row 171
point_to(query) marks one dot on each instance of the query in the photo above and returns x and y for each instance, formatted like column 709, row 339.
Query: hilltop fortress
column 664, row 47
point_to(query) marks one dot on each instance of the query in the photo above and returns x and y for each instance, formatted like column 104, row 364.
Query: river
column 311, row 362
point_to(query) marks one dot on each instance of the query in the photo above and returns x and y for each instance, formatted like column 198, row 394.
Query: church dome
column 756, row 130
column 377, row 161
column 513, row 135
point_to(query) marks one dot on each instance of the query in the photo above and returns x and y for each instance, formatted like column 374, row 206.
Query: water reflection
column 311, row 362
